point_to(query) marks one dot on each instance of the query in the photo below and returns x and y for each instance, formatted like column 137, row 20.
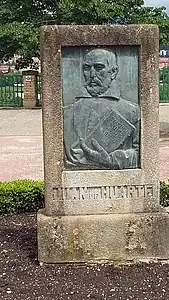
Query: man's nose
column 92, row 72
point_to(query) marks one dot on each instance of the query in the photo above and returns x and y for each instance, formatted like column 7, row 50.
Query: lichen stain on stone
column 135, row 239
column 76, row 245
column 57, row 234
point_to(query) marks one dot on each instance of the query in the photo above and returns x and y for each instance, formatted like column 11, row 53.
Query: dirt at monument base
column 21, row 276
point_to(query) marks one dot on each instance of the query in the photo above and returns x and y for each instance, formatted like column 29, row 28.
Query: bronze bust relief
column 101, row 129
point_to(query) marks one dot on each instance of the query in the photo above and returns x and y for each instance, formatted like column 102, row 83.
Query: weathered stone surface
column 84, row 199
column 118, row 237
column 107, row 212
column 54, row 39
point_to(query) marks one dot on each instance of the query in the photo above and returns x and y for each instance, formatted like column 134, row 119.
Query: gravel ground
column 21, row 277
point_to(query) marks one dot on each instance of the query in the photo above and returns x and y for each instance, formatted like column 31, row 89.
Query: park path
column 21, row 151
column 21, row 146
column 21, row 157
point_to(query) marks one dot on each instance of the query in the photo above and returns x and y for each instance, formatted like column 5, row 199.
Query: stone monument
column 100, row 121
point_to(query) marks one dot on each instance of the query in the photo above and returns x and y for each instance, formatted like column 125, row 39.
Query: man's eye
column 99, row 67
column 86, row 68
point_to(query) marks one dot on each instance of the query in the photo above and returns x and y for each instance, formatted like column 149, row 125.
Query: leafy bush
column 21, row 196
column 9, row 98
column 10, row 79
column 11, row 88
column 164, row 84
column 164, row 194
column 164, row 75
column 164, row 93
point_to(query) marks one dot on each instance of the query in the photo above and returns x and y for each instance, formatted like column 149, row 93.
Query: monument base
column 94, row 238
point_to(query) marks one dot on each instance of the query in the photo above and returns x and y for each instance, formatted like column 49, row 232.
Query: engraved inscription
column 103, row 192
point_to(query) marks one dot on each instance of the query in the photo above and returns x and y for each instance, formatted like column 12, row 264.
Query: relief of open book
column 111, row 131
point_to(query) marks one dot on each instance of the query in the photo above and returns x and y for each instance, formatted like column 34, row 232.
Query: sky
column 157, row 3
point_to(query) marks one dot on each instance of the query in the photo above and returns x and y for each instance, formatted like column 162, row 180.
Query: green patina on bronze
column 101, row 125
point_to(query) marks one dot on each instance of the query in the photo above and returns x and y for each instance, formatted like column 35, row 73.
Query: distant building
column 6, row 68
column 164, row 56
column 164, row 51
column 163, row 62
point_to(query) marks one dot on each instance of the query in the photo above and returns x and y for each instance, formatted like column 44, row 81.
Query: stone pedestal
column 30, row 88
column 99, row 210
column 96, row 238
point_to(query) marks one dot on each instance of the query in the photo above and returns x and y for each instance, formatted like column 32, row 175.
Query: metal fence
column 164, row 85
column 11, row 90
column 39, row 88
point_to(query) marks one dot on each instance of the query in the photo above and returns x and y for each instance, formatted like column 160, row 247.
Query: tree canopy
column 20, row 20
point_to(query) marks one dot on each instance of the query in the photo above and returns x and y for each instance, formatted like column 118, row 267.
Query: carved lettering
column 83, row 193
column 104, row 192
column 140, row 190
column 119, row 191
column 97, row 193
column 148, row 191
column 132, row 192
column 112, row 192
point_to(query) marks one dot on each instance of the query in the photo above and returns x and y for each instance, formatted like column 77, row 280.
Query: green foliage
column 20, row 20
column 27, row 11
column 164, row 93
column 164, row 194
column 11, row 90
column 94, row 11
column 153, row 15
column 9, row 99
column 10, row 79
column 164, row 75
column 164, row 85
column 21, row 196
column 21, row 39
